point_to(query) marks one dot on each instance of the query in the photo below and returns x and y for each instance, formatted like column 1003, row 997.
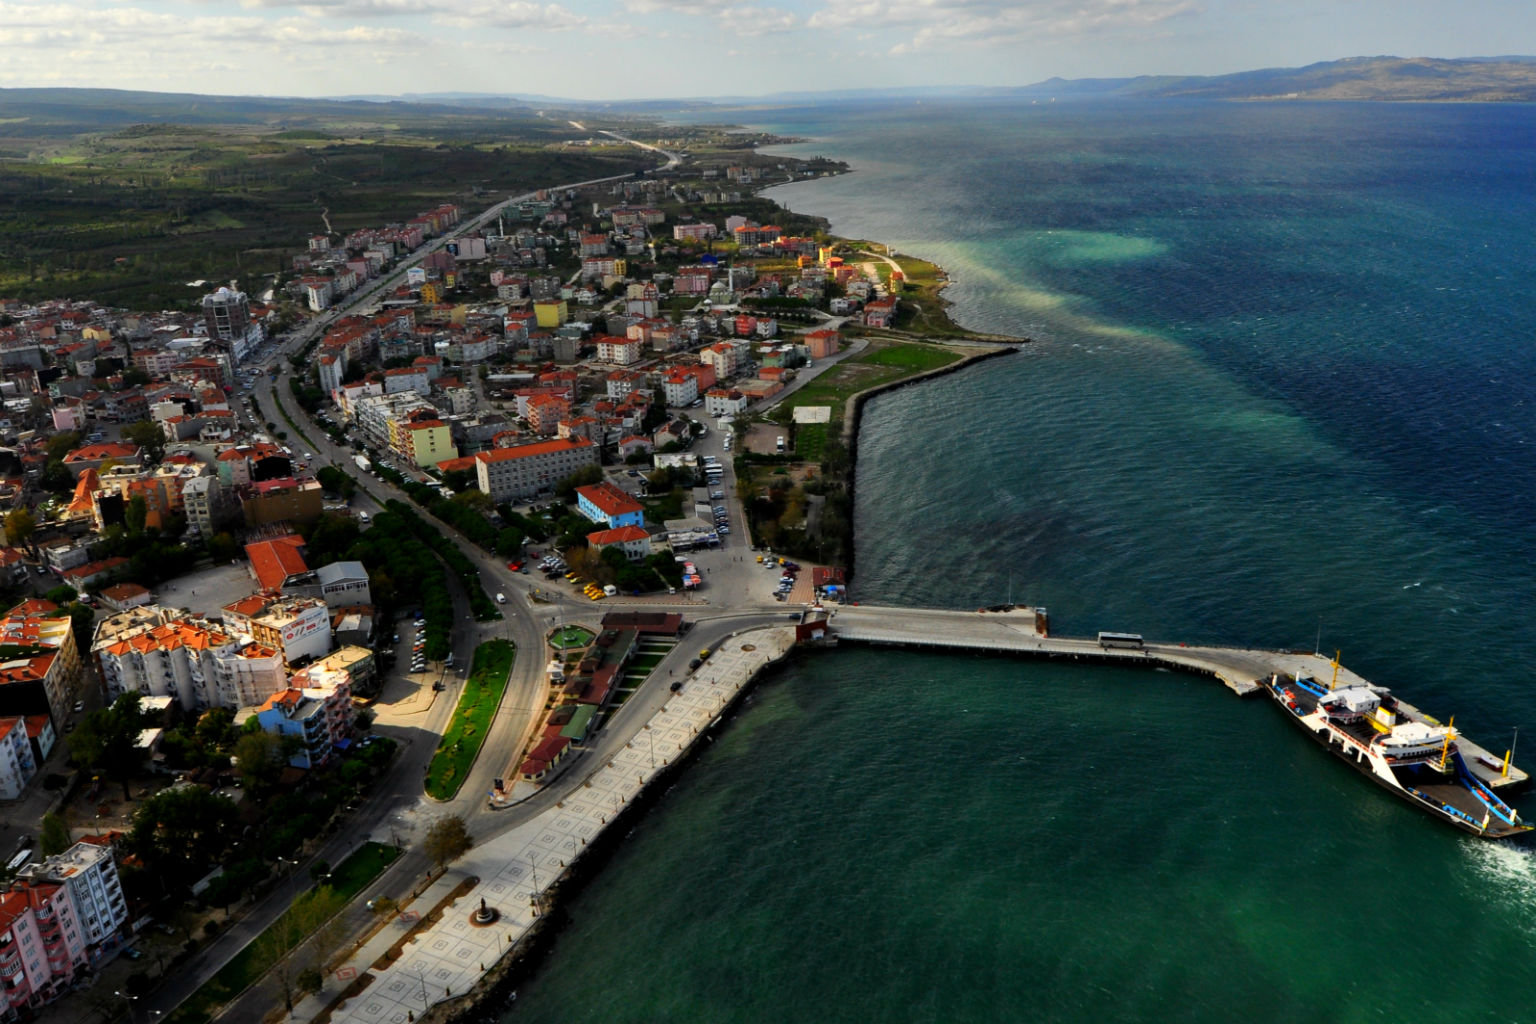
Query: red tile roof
column 275, row 560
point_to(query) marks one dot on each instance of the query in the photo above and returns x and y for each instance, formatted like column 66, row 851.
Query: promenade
column 449, row 957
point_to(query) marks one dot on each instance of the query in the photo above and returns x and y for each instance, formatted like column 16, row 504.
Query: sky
column 627, row 49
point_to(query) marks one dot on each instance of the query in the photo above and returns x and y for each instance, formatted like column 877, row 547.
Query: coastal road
column 396, row 804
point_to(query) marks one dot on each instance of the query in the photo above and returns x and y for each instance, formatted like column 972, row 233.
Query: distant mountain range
column 1510, row 79
column 1468, row 79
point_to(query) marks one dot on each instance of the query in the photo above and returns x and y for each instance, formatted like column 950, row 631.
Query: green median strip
column 346, row 881
column 472, row 719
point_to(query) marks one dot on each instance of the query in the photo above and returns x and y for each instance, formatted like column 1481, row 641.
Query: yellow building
column 430, row 293
column 431, row 442
column 824, row 253
column 552, row 313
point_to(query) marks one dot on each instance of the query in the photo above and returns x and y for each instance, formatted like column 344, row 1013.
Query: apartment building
column 41, row 671
column 88, row 873
column 17, row 765
column 318, row 718
column 523, row 471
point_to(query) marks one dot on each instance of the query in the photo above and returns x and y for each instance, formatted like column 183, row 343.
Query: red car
column 514, row 566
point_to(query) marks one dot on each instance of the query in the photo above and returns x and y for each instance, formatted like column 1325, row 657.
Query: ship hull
column 1495, row 828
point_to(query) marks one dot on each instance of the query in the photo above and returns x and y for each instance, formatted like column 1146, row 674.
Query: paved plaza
column 447, row 959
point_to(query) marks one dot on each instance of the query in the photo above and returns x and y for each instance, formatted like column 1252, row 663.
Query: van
column 501, row 598
column 363, row 516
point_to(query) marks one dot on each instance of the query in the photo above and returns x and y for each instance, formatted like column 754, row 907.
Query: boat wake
column 1512, row 870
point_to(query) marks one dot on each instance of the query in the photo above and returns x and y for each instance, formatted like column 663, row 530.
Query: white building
column 17, row 766
column 528, row 469
column 89, row 874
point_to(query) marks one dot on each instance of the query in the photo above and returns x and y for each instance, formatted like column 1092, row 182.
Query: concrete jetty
column 1018, row 631
column 408, row 969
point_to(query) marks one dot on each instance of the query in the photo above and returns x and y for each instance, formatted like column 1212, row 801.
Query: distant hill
column 62, row 112
column 1423, row 79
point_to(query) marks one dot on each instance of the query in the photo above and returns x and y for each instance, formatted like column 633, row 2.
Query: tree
column 55, row 835
column 303, row 918
column 222, row 548
column 108, row 741
column 136, row 515
column 62, row 595
column 19, row 526
column 447, row 839
column 148, row 435
column 565, row 490
column 60, row 445
column 259, row 759
column 180, row 833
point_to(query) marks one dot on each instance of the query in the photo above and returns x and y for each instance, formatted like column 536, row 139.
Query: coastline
column 496, row 992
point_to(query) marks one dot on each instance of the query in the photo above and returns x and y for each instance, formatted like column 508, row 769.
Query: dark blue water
column 1282, row 387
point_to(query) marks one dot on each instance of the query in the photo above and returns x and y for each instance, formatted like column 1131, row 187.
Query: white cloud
column 344, row 8
column 758, row 21
column 126, row 34
column 937, row 23
column 520, row 15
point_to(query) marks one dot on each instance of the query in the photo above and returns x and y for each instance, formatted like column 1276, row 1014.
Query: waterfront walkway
column 447, row 958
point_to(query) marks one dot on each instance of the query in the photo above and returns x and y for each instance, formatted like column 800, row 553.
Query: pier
column 412, row 966
column 1018, row 631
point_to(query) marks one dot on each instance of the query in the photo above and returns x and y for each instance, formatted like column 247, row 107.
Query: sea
column 1280, row 391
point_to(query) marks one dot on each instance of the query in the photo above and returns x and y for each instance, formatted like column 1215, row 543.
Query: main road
column 397, row 807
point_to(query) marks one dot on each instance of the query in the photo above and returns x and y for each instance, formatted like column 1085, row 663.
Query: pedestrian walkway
column 517, row 867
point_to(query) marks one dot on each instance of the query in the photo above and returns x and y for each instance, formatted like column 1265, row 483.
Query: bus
column 1131, row 641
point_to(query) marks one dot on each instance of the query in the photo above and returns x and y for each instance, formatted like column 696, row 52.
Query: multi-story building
column 424, row 439
column 158, row 655
column 724, row 401
column 282, row 500
column 299, row 627
column 227, row 313
column 723, row 357
column 694, row 232
column 255, row 673
column 545, row 411
column 317, row 718
column 202, row 500
column 525, row 470
column 619, row 351
column 88, row 873
column 604, row 503
column 41, row 673
column 42, row 946
column 407, row 378
column 632, row 540
column 17, row 765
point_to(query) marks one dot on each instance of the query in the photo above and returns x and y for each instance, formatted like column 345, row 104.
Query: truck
column 363, row 463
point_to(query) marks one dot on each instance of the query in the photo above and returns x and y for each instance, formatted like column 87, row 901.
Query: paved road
column 397, row 809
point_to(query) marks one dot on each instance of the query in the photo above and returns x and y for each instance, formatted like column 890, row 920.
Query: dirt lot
column 209, row 590
column 763, row 438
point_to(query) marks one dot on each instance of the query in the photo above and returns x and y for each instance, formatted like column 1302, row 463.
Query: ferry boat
column 1416, row 759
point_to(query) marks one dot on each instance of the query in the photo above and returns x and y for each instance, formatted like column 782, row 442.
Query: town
column 281, row 562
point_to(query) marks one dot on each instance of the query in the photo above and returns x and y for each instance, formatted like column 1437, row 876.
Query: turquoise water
column 1282, row 387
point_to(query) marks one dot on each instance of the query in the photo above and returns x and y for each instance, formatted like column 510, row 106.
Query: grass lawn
column 471, row 719
column 571, row 637
column 811, row 441
column 883, row 362
column 668, row 506
column 347, row 880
